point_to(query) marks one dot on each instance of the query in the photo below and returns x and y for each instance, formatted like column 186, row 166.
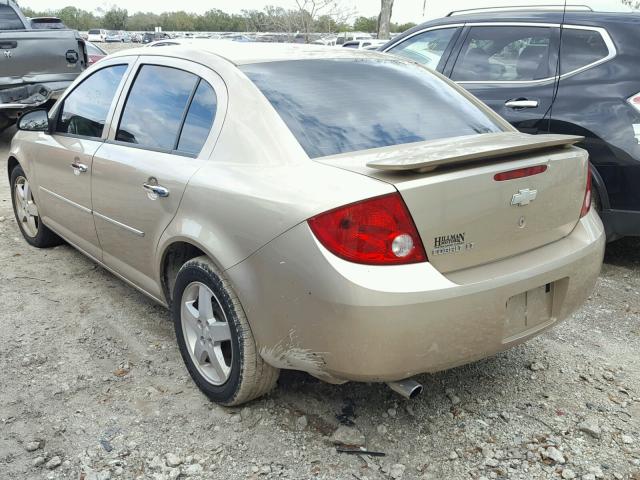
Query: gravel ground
column 93, row 387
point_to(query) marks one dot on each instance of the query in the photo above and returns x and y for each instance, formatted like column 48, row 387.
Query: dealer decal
column 452, row 243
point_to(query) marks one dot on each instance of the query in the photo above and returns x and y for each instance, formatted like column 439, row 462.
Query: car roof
column 585, row 18
column 242, row 53
column 580, row 17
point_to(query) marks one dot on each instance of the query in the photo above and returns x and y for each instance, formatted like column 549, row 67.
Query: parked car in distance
column 94, row 53
column 97, row 35
column 36, row 64
column 172, row 42
column 343, row 37
column 149, row 37
column 509, row 60
column 329, row 41
column 370, row 44
column 417, row 233
column 113, row 37
column 136, row 38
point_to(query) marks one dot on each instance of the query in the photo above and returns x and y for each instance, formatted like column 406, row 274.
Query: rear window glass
column 47, row 24
column 197, row 124
column 581, row 48
column 9, row 19
column 337, row 105
column 94, row 32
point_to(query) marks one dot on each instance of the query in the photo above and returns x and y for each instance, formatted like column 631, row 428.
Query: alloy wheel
column 26, row 209
column 206, row 332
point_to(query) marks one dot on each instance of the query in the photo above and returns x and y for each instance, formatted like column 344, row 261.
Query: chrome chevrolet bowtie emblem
column 524, row 197
column 7, row 53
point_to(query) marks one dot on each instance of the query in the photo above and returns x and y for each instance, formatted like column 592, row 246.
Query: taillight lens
column 635, row 101
column 376, row 231
column 586, row 205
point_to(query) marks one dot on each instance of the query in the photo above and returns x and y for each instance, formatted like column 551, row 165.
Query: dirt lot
column 93, row 387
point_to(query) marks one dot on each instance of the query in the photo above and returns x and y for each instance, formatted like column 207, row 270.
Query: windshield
column 336, row 106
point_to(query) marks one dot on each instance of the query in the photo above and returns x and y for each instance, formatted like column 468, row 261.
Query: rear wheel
column 27, row 214
column 214, row 337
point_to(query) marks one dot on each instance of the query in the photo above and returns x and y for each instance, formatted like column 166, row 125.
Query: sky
column 403, row 10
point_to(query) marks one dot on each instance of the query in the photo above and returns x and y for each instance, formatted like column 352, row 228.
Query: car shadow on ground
column 623, row 253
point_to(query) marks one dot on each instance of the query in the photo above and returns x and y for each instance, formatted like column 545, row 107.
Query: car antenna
column 556, row 85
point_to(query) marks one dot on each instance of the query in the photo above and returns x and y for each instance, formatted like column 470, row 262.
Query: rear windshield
column 47, row 24
column 337, row 106
column 94, row 32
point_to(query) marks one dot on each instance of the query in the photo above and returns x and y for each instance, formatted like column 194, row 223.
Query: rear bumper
column 31, row 96
column 341, row 321
column 621, row 223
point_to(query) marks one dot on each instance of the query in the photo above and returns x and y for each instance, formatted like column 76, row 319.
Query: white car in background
column 370, row 44
column 170, row 42
column 344, row 37
column 97, row 35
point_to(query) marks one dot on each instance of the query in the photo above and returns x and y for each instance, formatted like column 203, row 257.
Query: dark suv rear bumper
column 621, row 223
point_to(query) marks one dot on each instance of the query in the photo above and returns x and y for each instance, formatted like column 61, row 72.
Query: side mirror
column 34, row 121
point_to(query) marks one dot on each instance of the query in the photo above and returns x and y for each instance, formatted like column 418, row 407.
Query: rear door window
column 335, row 106
column 581, row 48
column 503, row 54
column 84, row 111
column 156, row 107
column 199, row 120
column 425, row 48
column 9, row 19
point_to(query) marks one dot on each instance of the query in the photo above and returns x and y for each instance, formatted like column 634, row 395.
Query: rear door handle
column 78, row 167
column 520, row 103
column 155, row 191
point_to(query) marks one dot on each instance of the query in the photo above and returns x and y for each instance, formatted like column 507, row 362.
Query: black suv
column 509, row 59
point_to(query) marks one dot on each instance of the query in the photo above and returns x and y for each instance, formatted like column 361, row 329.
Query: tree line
column 269, row 19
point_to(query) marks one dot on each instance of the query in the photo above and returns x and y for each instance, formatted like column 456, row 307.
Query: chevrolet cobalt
column 345, row 213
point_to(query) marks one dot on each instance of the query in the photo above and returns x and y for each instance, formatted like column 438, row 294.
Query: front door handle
column 78, row 167
column 520, row 103
column 155, row 191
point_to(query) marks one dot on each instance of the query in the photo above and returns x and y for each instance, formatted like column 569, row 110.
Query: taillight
column 635, row 101
column 376, row 231
column 586, row 205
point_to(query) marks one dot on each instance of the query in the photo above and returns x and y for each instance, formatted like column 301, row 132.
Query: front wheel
column 27, row 214
column 214, row 337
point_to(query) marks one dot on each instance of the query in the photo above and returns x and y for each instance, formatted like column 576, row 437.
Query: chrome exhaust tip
column 407, row 388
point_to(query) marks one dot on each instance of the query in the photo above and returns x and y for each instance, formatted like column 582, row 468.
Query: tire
column 33, row 230
column 233, row 373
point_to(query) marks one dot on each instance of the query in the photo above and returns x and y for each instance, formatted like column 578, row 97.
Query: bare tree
column 635, row 4
column 384, row 19
column 311, row 10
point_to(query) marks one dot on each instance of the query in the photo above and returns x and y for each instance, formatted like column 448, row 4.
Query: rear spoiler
column 426, row 156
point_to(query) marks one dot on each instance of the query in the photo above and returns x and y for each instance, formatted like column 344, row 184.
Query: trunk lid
column 465, row 216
